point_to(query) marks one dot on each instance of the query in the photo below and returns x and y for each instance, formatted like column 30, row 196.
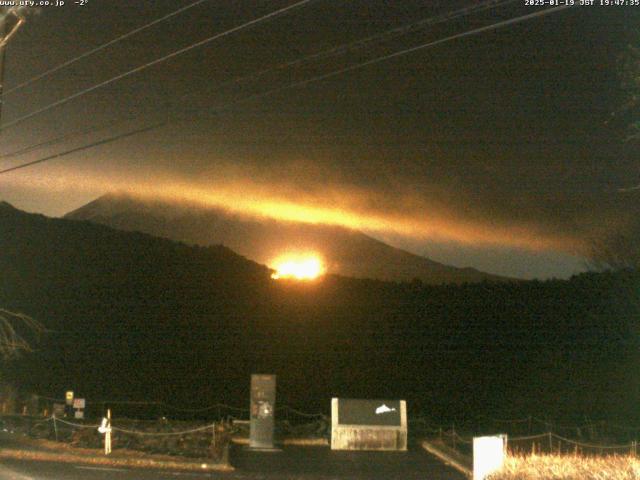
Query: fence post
column 107, row 444
column 105, row 428
column 55, row 426
column 550, row 443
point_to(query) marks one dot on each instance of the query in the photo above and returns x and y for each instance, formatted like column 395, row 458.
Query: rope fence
column 525, row 434
column 544, row 443
column 183, row 438
column 550, row 425
column 219, row 407
column 63, row 429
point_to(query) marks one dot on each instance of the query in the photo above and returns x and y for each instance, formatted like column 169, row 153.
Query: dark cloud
column 496, row 139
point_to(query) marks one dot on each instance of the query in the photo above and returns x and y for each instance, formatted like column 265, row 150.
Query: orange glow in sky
column 302, row 267
column 249, row 198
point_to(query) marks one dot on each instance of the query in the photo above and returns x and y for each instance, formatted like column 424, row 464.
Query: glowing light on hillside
column 298, row 268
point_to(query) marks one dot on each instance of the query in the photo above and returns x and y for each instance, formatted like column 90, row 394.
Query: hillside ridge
column 345, row 252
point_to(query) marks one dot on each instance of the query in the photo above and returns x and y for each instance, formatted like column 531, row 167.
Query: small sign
column 79, row 414
column 58, row 409
column 79, row 403
column 369, row 412
column 69, row 398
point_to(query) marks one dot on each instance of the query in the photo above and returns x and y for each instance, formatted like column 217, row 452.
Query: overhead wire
column 86, row 147
column 338, row 50
column 101, row 47
column 367, row 41
column 161, row 59
column 55, row 140
column 334, row 73
column 400, row 53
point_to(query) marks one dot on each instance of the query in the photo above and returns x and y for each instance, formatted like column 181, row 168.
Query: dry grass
column 119, row 460
column 49, row 451
column 569, row 467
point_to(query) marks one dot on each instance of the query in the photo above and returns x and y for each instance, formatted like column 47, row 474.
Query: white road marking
column 185, row 474
column 104, row 469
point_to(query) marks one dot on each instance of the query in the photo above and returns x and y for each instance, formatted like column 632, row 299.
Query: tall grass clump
column 569, row 467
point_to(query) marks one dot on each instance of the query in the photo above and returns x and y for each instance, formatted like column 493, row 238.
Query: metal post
column 4, row 39
column 107, row 437
column 3, row 48
column 55, row 426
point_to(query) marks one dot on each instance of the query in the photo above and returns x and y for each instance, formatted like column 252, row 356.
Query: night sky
column 495, row 150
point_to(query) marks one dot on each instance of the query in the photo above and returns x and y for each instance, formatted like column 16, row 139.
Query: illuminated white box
column 488, row 455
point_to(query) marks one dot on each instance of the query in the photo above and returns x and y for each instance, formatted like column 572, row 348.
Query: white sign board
column 78, row 403
column 488, row 455
column 79, row 414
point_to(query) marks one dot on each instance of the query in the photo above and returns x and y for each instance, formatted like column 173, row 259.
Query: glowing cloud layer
column 249, row 198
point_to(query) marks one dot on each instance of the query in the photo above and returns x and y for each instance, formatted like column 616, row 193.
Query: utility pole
column 3, row 48
column 6, row 32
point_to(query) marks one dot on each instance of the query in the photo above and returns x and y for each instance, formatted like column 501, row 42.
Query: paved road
column 315, row 463
column 30, row 470
column 293, row 463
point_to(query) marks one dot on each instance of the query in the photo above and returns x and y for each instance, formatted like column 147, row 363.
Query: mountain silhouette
column 130, row 316
column 344, row 251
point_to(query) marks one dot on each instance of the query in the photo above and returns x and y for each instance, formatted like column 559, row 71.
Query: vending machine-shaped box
column 263, row 404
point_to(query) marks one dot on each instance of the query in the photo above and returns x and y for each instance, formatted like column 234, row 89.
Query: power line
column 101, row 47
column 338, row 50
column 629, row 189
column 154, row 62
column 423, row 46
column 61, row 138
column 362, row 43
column 308, row 81
column 86, row 147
